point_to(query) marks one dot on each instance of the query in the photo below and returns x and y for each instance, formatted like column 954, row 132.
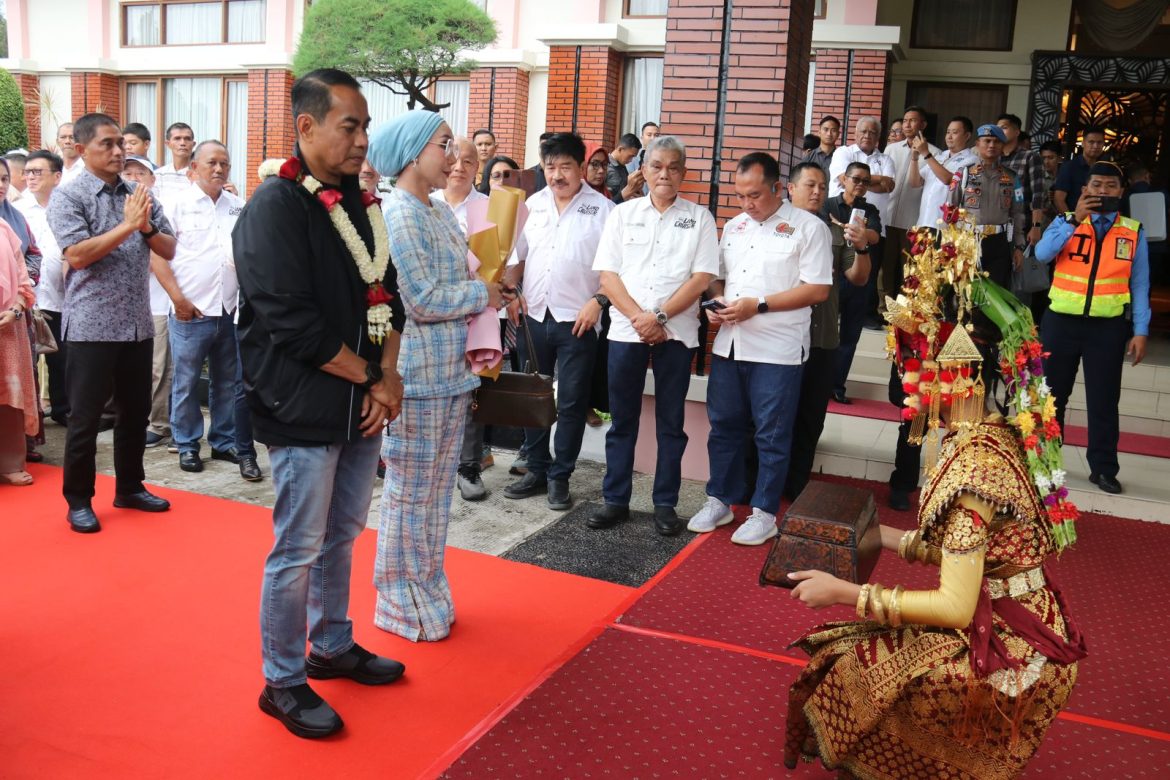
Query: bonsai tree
column 404, row 45
column 13, row 130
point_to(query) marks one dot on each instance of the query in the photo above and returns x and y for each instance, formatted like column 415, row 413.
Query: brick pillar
column 499, row 102
column 30, row 94
column 766, row 44
column 863, row 80
column 271, row 132
column 583, row 86
column 100, row 92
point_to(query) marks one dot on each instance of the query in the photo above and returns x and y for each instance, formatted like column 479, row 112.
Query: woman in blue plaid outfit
column 421, row 446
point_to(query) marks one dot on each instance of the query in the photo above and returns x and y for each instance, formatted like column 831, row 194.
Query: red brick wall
column 499, row 102
column 30, row 84
column 767, row 82
column 96, row 92
column 868, row 86
column 593, row 92
column 270, row 124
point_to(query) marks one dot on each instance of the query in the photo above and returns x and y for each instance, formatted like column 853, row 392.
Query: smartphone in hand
column 713, row 305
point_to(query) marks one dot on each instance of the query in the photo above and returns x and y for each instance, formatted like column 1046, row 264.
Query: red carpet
column 1076, row 435
column 692, row 681
column 134, row 653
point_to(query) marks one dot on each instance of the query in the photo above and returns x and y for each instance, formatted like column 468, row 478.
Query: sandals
column 16, row 478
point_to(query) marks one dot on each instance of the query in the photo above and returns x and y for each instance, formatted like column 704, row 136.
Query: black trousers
column 816, row 385
column 907, row 457
column 58, row 390
column 997, row 259
column 95, row 372
column 1100, row 343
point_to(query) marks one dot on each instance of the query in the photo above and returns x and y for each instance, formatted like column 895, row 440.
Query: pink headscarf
column 592, row 148
column 14, row 281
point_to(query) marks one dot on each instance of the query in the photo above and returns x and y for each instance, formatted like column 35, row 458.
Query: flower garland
column 371, row 269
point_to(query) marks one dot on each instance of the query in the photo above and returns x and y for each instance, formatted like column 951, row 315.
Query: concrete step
column 863, row 448
column 1145, row 391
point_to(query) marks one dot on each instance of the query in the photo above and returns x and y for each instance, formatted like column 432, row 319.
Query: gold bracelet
column 896, row 607
column 904, row 545
column 875, row 603
column 862, row 598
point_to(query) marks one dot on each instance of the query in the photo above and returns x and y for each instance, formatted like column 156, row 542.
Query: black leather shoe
column 841, row 398
column 899, row 500
column 83, row 521
column 231, row 456
column 528, row 485
column 143, row 502
column 357, row 664
column 608, row 516
column 301, row 710
column 666, row 521
column 250, row 470
column 190, row 461
column 1108, row 484
column 558, row 495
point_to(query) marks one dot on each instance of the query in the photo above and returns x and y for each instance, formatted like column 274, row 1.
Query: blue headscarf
column 396, row 143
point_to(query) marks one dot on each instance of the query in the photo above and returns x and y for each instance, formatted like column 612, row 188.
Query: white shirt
column 14, row 195
column 907, row 200
column 934, row 192
column 69, row 173
column 204, row 265
column 756, row 259
column 460, row 211
column 169, row 183
column 879, row 165
column 655, row 254
column 51, row 288
column 558, row 249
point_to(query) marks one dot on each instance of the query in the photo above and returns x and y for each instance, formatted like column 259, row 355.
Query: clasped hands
column 382, row 403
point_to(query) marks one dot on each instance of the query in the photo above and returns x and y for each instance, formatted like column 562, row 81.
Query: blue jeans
column 212, row 339
column 573, row 358
column 245, row 444
column 671, row 362
column 738, row 393
column 322, row 499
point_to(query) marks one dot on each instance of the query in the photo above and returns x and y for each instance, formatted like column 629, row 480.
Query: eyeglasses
column 33, row 173
column 859, row 180
column 497, row 175
column 450, row 148
column 597, row 165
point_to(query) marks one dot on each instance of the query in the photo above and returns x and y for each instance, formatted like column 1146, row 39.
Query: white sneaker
column 757, row 529
column 471, row 487
column 713, row 514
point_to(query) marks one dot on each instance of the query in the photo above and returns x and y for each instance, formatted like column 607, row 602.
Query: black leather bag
column 522, row 399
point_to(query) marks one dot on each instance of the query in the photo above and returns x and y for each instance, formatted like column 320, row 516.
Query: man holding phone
column 775, row 263
column 1098, row 311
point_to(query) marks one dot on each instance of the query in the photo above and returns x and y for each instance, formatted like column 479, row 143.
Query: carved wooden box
column 829, row 527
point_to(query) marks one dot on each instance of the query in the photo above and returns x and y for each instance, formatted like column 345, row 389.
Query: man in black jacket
column 321, row 380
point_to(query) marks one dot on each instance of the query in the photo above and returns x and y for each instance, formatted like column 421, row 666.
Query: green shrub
column 13, row 130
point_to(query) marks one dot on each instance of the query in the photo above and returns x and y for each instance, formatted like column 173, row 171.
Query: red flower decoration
column 913, row 364
column 369, row 199
column 911, row 283
column 949, row 250
column 1052, row 429
column 291, row 169
column 329, row 198
column 950, row 214
column 908, row 413
column 377, row 294
column 1032, row 442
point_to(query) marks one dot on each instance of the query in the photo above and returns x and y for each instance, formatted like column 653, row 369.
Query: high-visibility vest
column 1091, row 277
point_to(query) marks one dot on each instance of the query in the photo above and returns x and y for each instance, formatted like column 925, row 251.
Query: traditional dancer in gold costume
column 964, row 680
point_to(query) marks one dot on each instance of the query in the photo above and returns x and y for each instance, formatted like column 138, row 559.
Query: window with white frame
column 646, row 7
column 641, row 94
column 174, row 22
column 385, row 104
column 215, row 107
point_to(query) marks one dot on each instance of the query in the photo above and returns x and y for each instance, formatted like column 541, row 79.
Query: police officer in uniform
column 1098, row 311
column 994, row 199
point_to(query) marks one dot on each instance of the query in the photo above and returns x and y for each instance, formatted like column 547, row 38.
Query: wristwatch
column 153, row 232
column 602, row 301
column 861, row 251
column 762, row 306
column 373, row 374
column 18, row 312
column 660, row 315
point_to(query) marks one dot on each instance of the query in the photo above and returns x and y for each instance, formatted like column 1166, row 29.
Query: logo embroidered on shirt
column 784, row 229
column 686, row 223
column 234, row 211
column 741, row 228
column 588, row 211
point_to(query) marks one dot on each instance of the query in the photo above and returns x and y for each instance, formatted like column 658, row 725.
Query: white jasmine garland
column 371, row 269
